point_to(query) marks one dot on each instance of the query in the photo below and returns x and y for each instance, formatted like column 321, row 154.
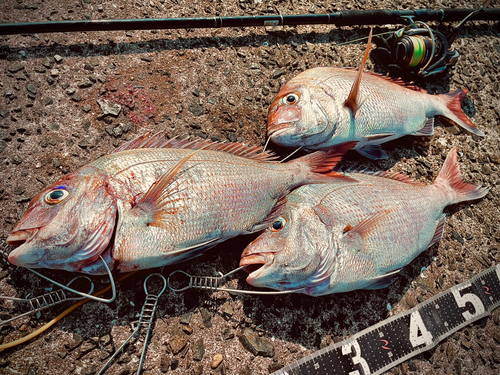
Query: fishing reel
column 422, row 49
column 419, row 50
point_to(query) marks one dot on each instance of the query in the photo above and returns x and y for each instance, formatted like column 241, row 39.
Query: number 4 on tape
column 418, row 332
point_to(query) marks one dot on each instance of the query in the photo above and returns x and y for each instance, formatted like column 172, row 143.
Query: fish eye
column 291, row 98
column 278, row 225
column 56, row 196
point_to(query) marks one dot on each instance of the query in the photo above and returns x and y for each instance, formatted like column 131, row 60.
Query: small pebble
column 31, row 88
column 198, row 350
column 216, row 361
column 174, row 363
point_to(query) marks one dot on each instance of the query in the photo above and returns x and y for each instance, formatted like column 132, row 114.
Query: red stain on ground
column 136, row 101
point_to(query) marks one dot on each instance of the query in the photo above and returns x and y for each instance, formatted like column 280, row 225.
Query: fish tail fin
column 322, row 163
column 449, row 178
column 453, row 101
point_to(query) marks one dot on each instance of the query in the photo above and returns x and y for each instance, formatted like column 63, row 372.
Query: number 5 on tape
column 468, row 297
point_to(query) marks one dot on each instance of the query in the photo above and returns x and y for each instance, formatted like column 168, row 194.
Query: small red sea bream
column 327, row 106
column 155, row 202
column 340, row 237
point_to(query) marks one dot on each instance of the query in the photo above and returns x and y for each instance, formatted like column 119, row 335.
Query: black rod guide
column 342, row 18
column 395, row 340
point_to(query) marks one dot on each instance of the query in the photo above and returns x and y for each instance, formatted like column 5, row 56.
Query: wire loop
column 145, row 320
column 214, row 284
column 45, row 301
column 6, row 248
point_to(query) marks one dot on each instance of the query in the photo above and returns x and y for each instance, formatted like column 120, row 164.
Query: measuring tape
column 397, row 339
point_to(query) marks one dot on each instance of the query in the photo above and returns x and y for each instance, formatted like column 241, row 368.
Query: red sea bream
column 339, row 237
column 313, row 111
column 155, row 202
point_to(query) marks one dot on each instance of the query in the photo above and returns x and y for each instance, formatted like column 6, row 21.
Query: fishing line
column 111, row 280
column 363, row 38
column 45, row 301
column 433, row 43
column 59, row 317
column 297, row 150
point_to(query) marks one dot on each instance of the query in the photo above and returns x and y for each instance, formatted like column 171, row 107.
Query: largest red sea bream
column 155, row 202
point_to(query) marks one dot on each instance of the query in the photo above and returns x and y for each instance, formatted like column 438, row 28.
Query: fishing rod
column 342, row 18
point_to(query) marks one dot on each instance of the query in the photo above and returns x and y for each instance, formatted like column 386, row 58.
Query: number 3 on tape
column 356, row 359
column 468, row 297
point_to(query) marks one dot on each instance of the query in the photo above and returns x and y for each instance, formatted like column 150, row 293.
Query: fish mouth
column 18, row 238
column 28, row 253
column 276, row 129
column 255, row 262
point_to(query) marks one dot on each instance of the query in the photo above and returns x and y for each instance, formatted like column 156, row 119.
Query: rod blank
column 342, row 18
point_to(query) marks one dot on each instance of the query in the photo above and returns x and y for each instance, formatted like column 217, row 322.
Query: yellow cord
column 59, row 317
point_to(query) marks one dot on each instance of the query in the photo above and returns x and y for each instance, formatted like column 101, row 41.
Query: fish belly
column 387, row 108
column 211, row 200
column 408, row 216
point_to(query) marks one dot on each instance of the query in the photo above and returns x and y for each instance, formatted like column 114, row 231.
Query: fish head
column 291, row 253
column 301, row 115
column 68, row 225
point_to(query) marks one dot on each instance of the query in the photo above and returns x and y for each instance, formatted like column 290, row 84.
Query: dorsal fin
column 400, row 82
column 159, row 140
column 397, row 81
column 352, row 102
column 388, row 174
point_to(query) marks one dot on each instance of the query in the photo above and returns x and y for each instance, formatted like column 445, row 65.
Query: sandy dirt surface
column 217, row 84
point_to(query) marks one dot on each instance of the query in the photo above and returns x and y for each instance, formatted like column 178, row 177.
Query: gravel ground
column 217, row 84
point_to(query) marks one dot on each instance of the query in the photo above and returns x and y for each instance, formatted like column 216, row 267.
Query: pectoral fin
column 159, row 202
column 357, row 235
column 353, row 102
column 376, row 137
column 372, row 152
column 198, row 248
column 369, row 146
column 383, row 281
